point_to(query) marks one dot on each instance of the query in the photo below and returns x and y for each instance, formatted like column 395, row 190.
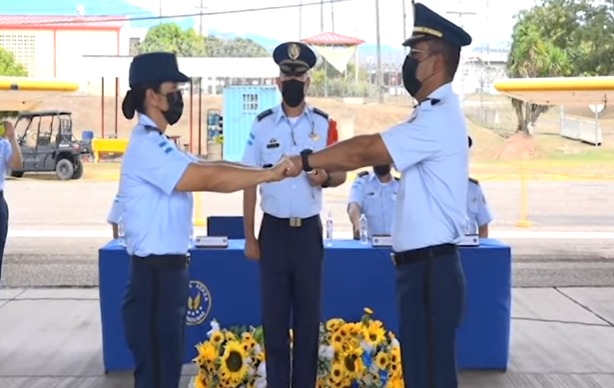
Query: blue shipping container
column 241, row 106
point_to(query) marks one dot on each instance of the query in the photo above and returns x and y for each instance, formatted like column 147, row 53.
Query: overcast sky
column 352, row 17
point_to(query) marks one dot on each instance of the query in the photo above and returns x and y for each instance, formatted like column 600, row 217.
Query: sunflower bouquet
column 361, row 354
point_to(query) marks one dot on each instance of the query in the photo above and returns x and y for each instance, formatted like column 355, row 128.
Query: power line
column 236, row 11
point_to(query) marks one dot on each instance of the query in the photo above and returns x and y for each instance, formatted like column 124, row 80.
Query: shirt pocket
column 270, row 157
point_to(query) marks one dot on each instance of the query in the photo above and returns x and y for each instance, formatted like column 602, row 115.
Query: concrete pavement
column 561, row 337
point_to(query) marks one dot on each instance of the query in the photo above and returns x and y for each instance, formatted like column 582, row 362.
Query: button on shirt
column 430, row 151
column 157, row 218
column 377, row 201
column 274, row 136
column 478, row 211
column 115, row 212
column 6, row 151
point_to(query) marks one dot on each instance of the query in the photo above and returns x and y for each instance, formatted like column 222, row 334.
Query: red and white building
column 52, row 46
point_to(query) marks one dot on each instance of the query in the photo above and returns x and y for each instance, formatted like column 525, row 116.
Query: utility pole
column 201, row 8
column 404, row 24
column 300, row 20
column 380, row 95
column 332, row 16
column 462, row 65
column 160, row 11
column 321, row 15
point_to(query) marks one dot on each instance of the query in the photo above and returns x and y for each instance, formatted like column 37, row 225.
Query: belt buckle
column 296, row 222
column 187, row 260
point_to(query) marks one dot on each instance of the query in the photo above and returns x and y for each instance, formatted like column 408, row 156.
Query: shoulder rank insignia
column 362, row 174
column 320, row 112
column 472, row 180
column 396, row 178
column 264, row 114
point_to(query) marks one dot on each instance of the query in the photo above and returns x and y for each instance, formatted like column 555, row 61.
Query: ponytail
column 128, row 108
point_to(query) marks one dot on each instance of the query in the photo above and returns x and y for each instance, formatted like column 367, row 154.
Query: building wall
column 57, row 53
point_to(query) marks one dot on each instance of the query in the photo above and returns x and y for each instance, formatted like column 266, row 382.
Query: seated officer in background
column 374, row 195
column 289, row 245
column 478, row 212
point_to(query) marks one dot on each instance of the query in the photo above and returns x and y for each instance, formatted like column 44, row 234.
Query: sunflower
column 374, row 334
column 336, row 340
column 336, row 372
column 355, row 328
column 368, row 311
column 382, row 360
column 351, row 361
column 320, row 383
column 207, row 352
column 334, row 324
column 233, row 366
column 230, row 336
column 199, row 382
column 247, row 337
column 395, row 355
column 346, row 383
column 217, row 338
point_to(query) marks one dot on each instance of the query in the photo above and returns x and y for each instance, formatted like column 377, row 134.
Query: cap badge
column 294, row 51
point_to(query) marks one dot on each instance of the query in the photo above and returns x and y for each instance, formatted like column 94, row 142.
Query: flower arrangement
column 361, row 354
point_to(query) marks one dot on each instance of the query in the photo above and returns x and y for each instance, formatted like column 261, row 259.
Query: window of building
column 250, row 102
column 23, row 47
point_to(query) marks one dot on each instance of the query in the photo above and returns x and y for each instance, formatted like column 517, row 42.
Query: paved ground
column 39, row 207
column 562, row 338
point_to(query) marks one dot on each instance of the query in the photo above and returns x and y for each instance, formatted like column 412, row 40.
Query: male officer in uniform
column 430, row 151
column 478, row 211
column 374, row 195
column 289, row 245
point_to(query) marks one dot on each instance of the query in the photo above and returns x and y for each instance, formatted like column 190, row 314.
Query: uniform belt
column 163, row 261
column 415, row 255
column 293, row 222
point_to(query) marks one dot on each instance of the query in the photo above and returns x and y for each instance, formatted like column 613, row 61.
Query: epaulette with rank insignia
column 320, row 112
column 362, row 173
column 396, row 178
column 264, row 114
column 472, row 180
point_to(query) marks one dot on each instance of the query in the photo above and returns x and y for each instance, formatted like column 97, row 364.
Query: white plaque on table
column 210, row 242
column 470, row 240
column 381, row 240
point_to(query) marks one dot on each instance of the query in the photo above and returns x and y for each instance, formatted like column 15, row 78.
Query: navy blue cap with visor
column 428, row 24
column 155, row 68
column 294, row 58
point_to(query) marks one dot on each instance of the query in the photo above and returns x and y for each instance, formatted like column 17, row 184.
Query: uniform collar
column 436, row 96
column 144, row 120
column 376, row 179
column 281, row 114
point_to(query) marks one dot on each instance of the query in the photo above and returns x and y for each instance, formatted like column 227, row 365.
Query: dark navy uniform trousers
column 291, row 260
column 430, row 286
column 4, row 228
column 154, row 314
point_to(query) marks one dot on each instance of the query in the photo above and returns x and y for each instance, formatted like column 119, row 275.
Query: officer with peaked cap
column 478, row 211
column 430, row 151
column 289, row 246
column 156, row 206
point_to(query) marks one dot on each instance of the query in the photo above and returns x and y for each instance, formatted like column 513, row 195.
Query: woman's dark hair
column 135, row 99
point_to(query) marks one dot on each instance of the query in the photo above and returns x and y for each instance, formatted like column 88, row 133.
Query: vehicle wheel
column 16, row 174
column 78, row 170
column 64, row 170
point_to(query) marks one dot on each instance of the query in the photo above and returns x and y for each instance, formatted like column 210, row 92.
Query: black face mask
column 175, row 107
column 293, row 92
column 381, row 171
column 411, row 83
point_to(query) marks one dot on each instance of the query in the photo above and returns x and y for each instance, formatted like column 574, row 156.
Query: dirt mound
column 518, row 147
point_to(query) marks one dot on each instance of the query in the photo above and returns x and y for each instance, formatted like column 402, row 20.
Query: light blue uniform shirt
column 115, row 212
column 157, row 218
column 377, row 200
column 478, row 211
column 430, row 151
column 6, row 151
column 274, row 135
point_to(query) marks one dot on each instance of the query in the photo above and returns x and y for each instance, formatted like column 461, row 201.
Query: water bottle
column 329, row 229
column 364, row 233
column 121, row 235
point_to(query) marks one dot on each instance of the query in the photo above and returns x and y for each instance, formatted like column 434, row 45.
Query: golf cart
column 48, row 145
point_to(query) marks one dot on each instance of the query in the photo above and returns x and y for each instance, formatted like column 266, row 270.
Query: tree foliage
column 188, row 43
column 9, row 66
column 560, row 38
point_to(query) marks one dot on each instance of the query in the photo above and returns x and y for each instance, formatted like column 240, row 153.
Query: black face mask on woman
column 293, row 92
column 175, row 107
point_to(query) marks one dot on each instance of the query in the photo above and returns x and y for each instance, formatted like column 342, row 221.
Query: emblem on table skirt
column 199, row 303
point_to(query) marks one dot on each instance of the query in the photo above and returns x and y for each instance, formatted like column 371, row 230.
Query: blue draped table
column 225, row 286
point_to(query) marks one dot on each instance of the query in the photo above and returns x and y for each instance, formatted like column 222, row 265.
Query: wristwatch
column 305, row 160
